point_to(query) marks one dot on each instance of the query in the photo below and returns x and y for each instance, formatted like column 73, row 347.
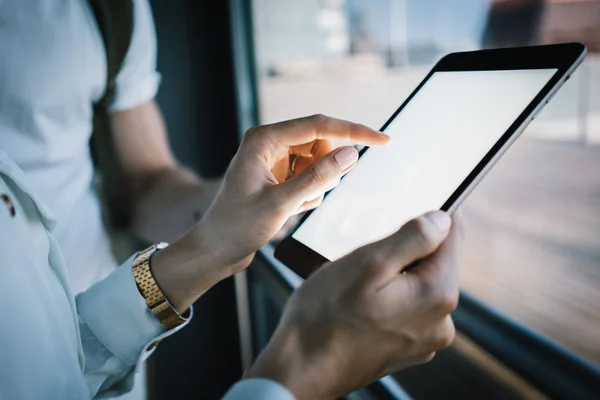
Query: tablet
column 445, row 137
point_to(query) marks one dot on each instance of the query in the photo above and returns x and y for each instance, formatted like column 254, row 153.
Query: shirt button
column 9, row 204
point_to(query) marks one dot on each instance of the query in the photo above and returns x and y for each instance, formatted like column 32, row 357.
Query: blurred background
column 529, row 320
column 533, row 225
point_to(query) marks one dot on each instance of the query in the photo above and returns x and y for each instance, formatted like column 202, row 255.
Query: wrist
column 284, row 362
column 188, row 267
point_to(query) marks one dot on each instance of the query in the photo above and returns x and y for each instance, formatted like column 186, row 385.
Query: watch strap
column 155, row 298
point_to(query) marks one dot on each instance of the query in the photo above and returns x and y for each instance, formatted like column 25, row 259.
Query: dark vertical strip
column 198, row 100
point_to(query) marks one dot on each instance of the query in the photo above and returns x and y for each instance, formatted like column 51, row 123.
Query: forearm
column 166, row 198
column 171, row 202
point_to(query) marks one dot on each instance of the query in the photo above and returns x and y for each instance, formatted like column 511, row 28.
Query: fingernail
column 440, row 219
column 388, row 137
column 346, row 157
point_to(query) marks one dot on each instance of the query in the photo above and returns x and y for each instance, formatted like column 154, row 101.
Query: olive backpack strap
column 115, row 22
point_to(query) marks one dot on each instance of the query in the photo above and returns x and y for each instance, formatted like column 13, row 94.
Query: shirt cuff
column 119, row 317
column 258, row 388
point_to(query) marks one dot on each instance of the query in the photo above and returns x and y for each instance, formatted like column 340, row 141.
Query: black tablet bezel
column 303, row 260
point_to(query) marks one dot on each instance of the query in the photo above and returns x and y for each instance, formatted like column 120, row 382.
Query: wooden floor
column 533, row 241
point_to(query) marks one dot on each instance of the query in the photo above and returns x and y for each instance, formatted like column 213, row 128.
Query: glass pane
column 466, row 372
column 533, row 225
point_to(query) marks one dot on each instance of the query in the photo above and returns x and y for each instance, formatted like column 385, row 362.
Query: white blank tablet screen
column 437, row 140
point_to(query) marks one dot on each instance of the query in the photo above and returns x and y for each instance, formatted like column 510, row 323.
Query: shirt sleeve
column 264, row 389
column 138, row 81
column 118, row 332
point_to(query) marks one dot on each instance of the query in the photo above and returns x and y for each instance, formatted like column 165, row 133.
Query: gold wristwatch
column 155, row 298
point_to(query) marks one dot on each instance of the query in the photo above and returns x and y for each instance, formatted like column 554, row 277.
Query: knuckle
column 276, row 204
column 371, row 261
column 424, row 233
column 250, row 133
column 426, row 358
column 448, row 300
column 445, row 336
column 318, row 117
column 443, row 298
column 320, row 121
column 253, row 134
column 317, row 175
column 377, row 260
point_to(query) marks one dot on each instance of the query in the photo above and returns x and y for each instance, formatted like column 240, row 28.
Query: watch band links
column 155, row 299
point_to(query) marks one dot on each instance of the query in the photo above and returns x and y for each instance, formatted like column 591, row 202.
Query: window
column 533, row 225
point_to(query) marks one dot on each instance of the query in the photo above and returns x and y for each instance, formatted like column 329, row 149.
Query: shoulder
column 143, row 23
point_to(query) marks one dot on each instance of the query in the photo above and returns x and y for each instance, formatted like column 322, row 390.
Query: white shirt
column 254, row 389
column 53, row 345
column 57, row 346
column 52, row 70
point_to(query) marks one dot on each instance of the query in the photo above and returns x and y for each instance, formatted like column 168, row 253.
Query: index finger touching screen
column 437, row 140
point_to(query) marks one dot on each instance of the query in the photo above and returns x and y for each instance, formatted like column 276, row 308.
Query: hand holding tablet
column 445, row 138
column 358, row 319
